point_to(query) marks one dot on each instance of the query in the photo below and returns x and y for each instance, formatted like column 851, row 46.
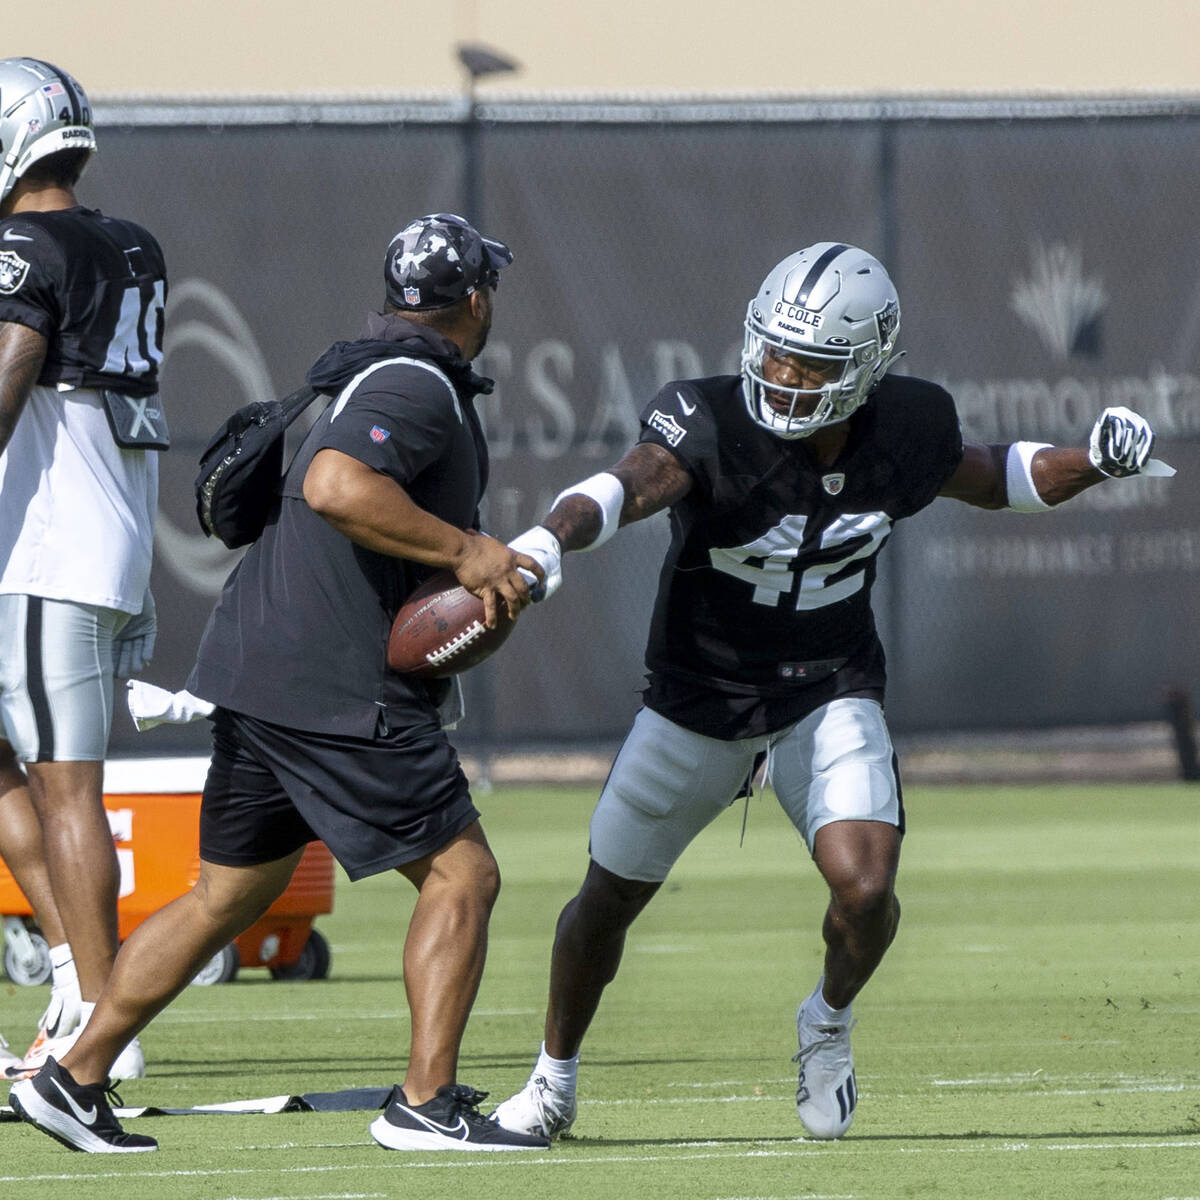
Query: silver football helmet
column 831, row 314
column 42, row 110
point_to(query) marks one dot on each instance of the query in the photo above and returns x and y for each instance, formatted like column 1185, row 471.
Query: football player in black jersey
column 81, row 323
column 783, row 484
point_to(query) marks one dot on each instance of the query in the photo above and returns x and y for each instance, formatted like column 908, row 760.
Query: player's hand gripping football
column 1121, row 444
column 490, row 570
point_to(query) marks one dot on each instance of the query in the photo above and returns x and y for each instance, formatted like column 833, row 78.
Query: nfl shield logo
column 834, row 483
column 13, row 269
column 379, row 436
column 412, row 295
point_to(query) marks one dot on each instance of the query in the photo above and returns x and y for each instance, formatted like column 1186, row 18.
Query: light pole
column 479, row 61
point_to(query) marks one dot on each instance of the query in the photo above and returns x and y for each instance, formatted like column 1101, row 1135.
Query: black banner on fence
column 1046, row 269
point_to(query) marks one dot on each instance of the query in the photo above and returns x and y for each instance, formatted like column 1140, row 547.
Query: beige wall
column 122, row 48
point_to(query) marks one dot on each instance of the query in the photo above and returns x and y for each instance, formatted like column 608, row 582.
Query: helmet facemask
column 824, row 327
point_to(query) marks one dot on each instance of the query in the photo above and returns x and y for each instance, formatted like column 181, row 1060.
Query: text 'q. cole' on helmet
column 42, row 110
column 832, row 313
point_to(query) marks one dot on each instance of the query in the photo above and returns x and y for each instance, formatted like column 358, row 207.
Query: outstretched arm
column 1057, row 473
column 650, row 479
column 1033, row 477
column 647, row 480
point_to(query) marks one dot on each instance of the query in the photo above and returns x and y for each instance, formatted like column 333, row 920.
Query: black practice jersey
column 95, row 287
column 764, row 601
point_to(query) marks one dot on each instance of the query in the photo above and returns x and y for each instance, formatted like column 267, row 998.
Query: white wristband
column 608, row 493
column 1022, row 494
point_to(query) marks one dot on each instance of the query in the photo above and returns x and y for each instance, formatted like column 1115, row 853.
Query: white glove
column 133, row 646
column 1121, row 443
column 539, row 543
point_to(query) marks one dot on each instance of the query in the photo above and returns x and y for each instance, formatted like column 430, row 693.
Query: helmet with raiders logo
column 42, row 110
column 831, row 313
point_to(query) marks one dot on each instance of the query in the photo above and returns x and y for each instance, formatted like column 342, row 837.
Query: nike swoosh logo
column 688, row 409
column 9, row 236
column 88, row 1117
column 462, row 1130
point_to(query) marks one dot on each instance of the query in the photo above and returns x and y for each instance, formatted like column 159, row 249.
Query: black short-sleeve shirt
column 299, row 635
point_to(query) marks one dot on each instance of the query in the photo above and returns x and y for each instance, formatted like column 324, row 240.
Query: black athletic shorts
column 376, row 803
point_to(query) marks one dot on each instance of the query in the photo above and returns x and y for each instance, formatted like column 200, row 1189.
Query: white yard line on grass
column 1040, row 1076
column 174, row 1017
column 1123, row 1089
column 315, row 1196
column 452, row 1161
column 875, row 1093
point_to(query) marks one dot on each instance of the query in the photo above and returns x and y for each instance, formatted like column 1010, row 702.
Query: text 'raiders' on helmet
column 831, row 308
column 43, row 110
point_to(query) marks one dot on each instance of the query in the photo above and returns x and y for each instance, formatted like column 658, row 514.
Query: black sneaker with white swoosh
column 450, row 1121
column 78, row 1115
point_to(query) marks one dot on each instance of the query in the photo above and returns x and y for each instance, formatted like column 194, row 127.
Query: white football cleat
column 827, row 1092
column 55, row 1025
column 537, row 1109
column 130, row 1063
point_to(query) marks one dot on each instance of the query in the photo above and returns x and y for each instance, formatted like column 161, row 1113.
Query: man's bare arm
column 374, row 511
column 653, row 479
column 1034, row 477
column 22, row 352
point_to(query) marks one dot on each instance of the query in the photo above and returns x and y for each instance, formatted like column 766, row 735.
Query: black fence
column 1048, row 266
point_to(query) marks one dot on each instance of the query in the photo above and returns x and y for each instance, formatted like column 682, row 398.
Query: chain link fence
column 1046, row 258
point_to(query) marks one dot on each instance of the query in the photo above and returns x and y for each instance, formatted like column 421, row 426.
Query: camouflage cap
column 437, row 260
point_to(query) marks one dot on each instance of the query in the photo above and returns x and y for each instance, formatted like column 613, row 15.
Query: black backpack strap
column 291, row 406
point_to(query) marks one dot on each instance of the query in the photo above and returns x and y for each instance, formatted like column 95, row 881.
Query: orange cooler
column 154, row 812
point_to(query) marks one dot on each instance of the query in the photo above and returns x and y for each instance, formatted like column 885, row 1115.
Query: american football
column 439, row 630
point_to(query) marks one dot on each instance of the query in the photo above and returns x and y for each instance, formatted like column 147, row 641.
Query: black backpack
column 242, row 467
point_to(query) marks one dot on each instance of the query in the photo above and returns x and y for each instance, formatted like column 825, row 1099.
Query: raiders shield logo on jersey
column 13, row 269
column 834, row 483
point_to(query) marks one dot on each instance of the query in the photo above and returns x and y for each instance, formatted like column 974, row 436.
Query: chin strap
column 8, row 172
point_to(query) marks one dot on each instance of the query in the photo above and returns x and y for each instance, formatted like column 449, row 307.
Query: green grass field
column 1034, row 1032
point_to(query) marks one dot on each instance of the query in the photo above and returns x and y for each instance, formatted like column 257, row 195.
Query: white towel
column 150, row 706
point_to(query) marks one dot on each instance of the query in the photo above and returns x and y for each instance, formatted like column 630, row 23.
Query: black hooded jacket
column 299, row 635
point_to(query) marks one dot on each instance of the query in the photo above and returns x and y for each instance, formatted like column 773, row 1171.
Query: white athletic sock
column 821, row 1012
column 560, row 1073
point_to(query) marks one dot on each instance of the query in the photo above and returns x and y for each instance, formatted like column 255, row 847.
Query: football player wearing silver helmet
column 784, row 482
column 82, row 298
column 43, row 111
column 820, row 335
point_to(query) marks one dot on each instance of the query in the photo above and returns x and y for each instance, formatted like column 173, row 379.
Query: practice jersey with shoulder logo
column 299, row 637
column 95, row 287
column 76, row 508
column 764, row 601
